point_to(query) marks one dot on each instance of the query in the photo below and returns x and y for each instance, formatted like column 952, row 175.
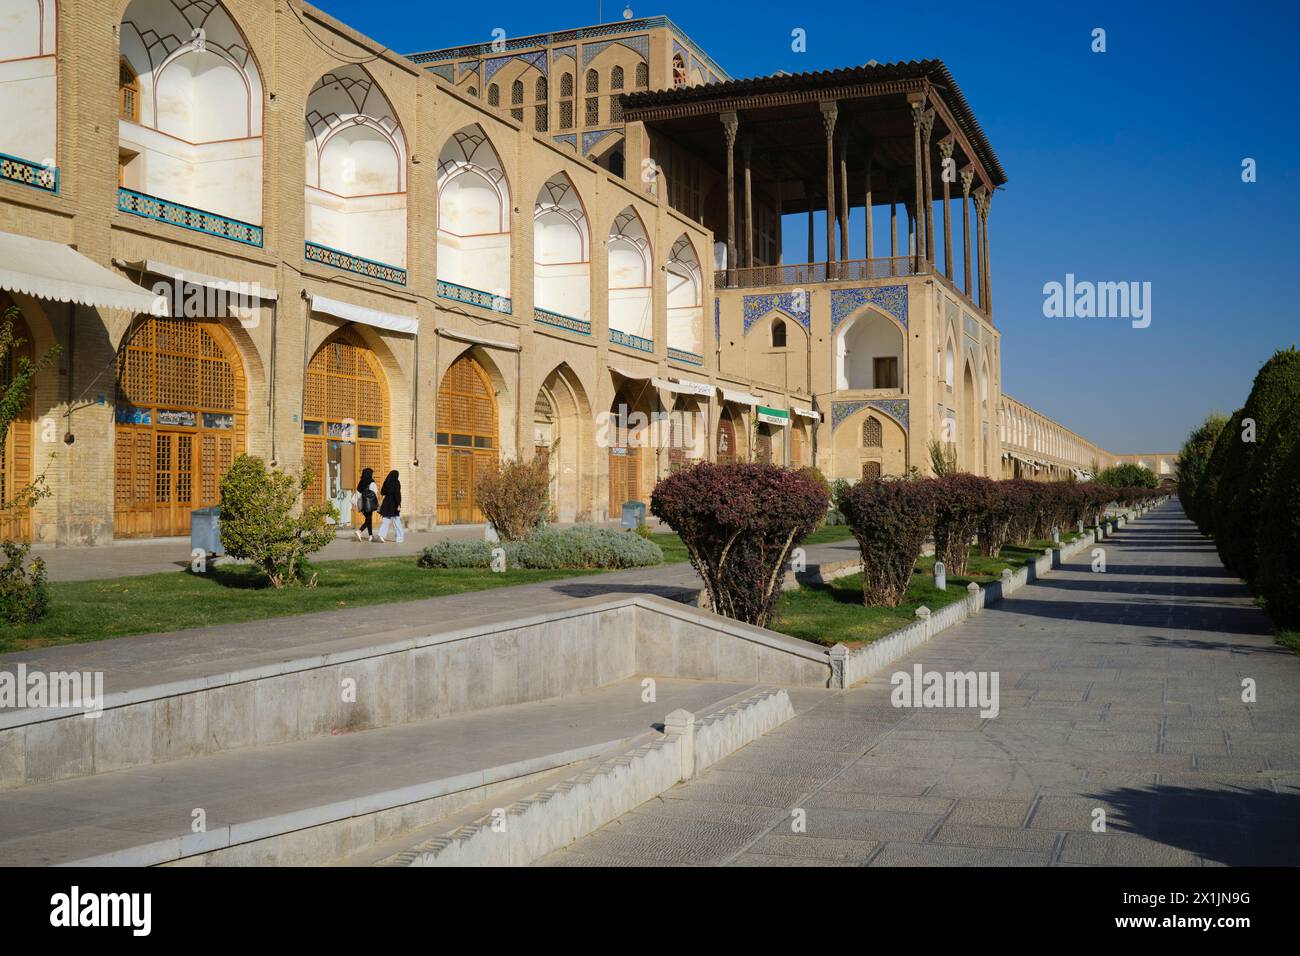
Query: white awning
column 479, row 340
column 806, row 413
column 740, row 398
column 634, row 376
column 365, row 316
column 683, row 386
column 168, row 271
column 51, row 270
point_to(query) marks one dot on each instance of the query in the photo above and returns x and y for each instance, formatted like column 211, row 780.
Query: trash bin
column 205, row 530
column 633, row 514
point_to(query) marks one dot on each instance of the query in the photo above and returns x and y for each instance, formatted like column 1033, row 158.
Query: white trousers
column 397, row 523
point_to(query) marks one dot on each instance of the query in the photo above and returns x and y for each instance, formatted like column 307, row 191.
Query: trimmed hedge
column 579, row 547
column 1194, row 460
column 1279, row 548
column 1249, row 467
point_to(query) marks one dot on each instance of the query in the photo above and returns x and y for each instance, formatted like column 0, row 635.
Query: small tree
column 1194, row 460
column 1128, row 475
column 739, row 524
column 515, row 497
column 943, row 458
column 24, row 595
column 891, row 520
column 262, row 523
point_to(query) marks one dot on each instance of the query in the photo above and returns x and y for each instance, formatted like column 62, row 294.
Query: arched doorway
column 467, row 439
column 764, row 446
column 181, row 422
column 16, row 451
column 345, row 427
column 726, row 437
column 562, row 436
column 628, row 432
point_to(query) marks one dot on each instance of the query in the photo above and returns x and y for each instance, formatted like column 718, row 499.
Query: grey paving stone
column 804, row 847
column 1011, row 838
column 936, row 854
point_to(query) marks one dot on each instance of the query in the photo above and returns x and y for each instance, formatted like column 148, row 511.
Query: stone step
column 317, row 801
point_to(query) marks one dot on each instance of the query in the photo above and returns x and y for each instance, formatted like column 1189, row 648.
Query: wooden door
column 726, row 440
column 624, row 477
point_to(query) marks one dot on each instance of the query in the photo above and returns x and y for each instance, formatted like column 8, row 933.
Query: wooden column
column 844, row 198
column 811, row 251
column 866, row 205
column 917, row 102
column 829, row 114
column 747, row 150
column 893, row 225
column 945, row 158
column 988, row 269
column 967, row 175
column 927, row 159
column 730, row 124
column 978, row 198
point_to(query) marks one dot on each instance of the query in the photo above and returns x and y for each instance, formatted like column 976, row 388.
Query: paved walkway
column 1119, row 691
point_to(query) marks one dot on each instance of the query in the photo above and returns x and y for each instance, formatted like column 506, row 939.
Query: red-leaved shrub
column 739, row 524
column 962, row 502
column 891, row 520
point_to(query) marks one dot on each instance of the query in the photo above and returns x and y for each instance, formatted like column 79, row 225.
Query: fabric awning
column 365, row 316
column 634, row 376
column 478, row 340
column 168, row 271
column 806, row 413
column 740, row 398
column 683, row 386
column 51, row 270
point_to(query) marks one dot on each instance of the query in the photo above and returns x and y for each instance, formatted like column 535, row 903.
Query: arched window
column 949, row 365
column 685, row 298
column 566, row 84
column 679, row 70
column 869, row 351
column 540, row 89
column 355, row 158
column 872, row 434
column 494, row 95
column 561, row 252
column 205, row 96
column 642, row 75
column 593, row 81
column 629, row 261
column 516, row 93
column 778, row 334
column 128, row 92
column 616, row 78
column 474, row 220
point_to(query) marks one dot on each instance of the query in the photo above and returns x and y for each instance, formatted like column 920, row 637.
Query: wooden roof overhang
column 781, row 116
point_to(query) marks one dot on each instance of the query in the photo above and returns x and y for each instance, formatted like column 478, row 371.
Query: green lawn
column 1289, row 639
column 82, row 611
column 833, row 613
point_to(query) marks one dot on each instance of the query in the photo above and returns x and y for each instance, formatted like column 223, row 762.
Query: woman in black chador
column 391, row 508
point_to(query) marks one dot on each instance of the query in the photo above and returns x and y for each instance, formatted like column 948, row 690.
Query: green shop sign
column 773, row 416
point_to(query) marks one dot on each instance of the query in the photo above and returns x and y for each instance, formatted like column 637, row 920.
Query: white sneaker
column 358, row 534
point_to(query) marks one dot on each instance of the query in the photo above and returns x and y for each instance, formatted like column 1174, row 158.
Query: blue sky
column 1122, row 166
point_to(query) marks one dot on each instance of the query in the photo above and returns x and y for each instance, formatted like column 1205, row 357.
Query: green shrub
column 259, row 523
column 1207, row 494
column 1250, row 466
column 1279, row 546
column 642, row 530
column 456, row 554
column 514, row 497
column 24, row 593
column 1128, row 475
column 584, row 546
column 1194, row 459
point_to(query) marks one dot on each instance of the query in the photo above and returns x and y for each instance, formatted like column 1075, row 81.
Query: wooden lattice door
column 16, row 449
column 180, row 413
column 345, row 419
column 726, row 439
column 467, row 439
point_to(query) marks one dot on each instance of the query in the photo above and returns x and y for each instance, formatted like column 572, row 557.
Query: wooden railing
column 850, row 270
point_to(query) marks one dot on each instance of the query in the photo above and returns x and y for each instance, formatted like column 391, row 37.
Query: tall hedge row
column 1246, row 491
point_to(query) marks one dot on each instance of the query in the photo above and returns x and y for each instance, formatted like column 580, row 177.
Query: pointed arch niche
column 356, row 177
